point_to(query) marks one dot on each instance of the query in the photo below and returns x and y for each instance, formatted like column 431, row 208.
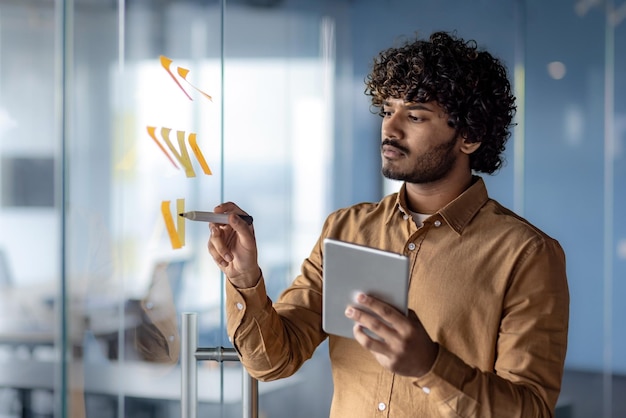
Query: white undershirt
column 419, row 218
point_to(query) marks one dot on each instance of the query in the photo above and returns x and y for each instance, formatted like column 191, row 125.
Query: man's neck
column 429, row 198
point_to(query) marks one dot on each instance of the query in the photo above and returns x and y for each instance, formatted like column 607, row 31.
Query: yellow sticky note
column 180, row 221
column 175, row 238
column 182, row 155
column 151, row 130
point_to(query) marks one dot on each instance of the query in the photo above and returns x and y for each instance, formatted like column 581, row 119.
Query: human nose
column 391, row 127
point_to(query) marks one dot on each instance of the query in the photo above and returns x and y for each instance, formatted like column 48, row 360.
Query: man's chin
column 393, row 175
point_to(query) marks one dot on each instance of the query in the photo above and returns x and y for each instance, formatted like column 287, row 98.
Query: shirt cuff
column 444, row 377
column 444, row 382
column 241, row 303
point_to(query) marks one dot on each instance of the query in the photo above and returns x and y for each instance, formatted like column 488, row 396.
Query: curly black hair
column 470, row 84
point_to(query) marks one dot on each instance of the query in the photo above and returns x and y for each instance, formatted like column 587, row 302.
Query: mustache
column 394, row 143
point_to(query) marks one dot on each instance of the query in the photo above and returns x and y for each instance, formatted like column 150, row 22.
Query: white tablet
column 349, row 269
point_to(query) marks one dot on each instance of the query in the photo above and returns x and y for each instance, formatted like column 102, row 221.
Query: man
column 486, row 334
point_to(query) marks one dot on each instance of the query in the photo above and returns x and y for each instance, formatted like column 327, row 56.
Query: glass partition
column 30, row 230
column 574, row 188
column 185, row 105
column 117, row 115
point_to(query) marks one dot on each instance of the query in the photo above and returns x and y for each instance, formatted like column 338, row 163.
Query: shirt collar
column 461, row 210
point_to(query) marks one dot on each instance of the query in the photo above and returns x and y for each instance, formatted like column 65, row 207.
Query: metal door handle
column 190, row 356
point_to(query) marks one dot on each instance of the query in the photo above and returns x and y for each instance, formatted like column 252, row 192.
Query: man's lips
column 390, row 150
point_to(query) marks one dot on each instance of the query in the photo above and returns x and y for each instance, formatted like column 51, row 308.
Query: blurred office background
column 91, row 288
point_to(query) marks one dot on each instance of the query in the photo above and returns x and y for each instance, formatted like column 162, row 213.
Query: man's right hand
column 233, row 247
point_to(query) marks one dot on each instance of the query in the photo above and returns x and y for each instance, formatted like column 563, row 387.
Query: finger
column 371, row 341
column 373, row 323
column 228, row 207
column 243, row 229
column 245, row 232
column 216, row 247
column 384, row 310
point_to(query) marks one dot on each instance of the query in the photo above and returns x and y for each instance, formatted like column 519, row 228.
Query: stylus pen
column 218, row 218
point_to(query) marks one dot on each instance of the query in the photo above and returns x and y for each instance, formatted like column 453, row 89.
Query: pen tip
column 181, row 214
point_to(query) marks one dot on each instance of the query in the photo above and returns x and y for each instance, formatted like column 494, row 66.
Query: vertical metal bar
column 191, row 354
column 64, row 19
column 519, row 89
column 610, row 139
column 189, row 371
column 249, row 395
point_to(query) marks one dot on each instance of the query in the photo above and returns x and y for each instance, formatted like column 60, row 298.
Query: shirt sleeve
column 531, row 348
column 274, row 340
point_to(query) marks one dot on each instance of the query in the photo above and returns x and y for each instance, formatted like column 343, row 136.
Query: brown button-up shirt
column 488, row 286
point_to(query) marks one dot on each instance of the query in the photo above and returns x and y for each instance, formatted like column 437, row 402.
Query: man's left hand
column 404, row 346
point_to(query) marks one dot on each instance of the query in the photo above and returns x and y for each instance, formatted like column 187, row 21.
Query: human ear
column 468, row 147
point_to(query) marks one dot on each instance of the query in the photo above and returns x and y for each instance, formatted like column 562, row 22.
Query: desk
column 32, row 321
column 153, row 381
column 29, row 317
column 29, row 338
column 133, row 379
column 25, row 320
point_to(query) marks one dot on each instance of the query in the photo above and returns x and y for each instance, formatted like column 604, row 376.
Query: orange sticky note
column 199, row 156
column 165, row 62
column 181, row 154
column 151, row 130
column 183, row 73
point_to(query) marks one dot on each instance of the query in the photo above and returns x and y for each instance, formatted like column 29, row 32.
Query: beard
column 429, row 167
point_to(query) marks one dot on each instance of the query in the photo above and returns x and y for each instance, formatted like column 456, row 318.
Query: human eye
column 416, row 117
column 385, row 113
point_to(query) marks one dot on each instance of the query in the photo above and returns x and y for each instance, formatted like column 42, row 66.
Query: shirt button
column 406, row 217
column 149, row 305
column 240, row 306
column 411, row 246
column 437, row 223
column 426, row 390
column 381, row 406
